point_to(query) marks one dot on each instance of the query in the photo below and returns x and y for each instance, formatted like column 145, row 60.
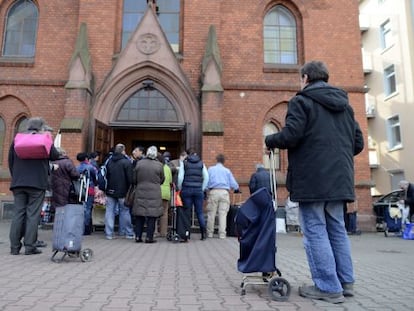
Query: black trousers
column 27, row 206
column 139, row 226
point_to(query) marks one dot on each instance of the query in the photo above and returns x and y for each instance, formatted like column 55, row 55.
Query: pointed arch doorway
column 145, row 118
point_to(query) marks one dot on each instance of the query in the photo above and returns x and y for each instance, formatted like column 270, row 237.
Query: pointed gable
column 211, row 66
column 80, row 74
column 148, row 44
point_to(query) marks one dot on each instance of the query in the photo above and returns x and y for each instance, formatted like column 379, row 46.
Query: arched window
column 21, row 29
column 21, row 125
column 2, row 136
column 148, row 105
column 279, row 36
column 269, row 129
column 168, row 12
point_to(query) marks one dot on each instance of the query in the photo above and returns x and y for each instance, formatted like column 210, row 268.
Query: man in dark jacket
column 259, row 179
column 29, row 183
column 192, row 180
column 119, row 175
column 322, row 137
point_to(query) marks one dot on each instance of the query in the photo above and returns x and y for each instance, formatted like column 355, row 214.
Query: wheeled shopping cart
column 68, row 233
column 256, row 229
column 172, row 234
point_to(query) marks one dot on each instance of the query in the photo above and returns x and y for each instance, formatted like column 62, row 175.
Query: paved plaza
column 199, row 275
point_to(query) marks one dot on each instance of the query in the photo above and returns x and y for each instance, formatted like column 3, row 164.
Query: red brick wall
column 329, row 31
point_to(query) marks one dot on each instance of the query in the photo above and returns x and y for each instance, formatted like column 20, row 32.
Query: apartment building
column 388, row 62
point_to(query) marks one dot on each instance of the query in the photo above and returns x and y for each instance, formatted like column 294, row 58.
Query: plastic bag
column 408, row 233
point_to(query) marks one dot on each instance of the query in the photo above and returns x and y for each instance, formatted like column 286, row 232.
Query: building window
column 393, row 132
column 148, row 105
column 21, row 125
column 169, row 17
column 269, row 129
column 390, row 85
column 2, row 136
column 386, row 34
column 168, row 12
column 279, row 36
column 20, row 30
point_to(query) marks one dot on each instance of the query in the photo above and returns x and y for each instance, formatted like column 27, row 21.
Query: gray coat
column 148, row 176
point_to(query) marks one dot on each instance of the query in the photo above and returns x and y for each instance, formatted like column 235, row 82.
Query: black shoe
column 14, row 251
column 139, row 240
column 203, row 234
column 150, row 241
column 40, row 244
column 34, row 251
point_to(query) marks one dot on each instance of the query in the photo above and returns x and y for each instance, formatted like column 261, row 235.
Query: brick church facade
column 215, row 75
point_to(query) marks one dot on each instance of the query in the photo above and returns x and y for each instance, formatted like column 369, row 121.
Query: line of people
column 154, row 175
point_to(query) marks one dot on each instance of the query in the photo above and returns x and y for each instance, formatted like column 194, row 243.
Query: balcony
column 370, row 107
column 366, row 62
column 363, row 23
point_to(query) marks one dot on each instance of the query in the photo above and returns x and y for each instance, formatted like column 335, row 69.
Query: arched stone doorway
column 146, row 106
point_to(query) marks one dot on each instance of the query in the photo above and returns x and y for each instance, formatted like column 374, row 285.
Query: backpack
column 79, row 188
column 102, row 176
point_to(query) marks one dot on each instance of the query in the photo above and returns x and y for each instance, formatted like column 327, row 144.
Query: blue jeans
column 87, row 207
column 114, row 205
column 326, row 244
column 194, row 197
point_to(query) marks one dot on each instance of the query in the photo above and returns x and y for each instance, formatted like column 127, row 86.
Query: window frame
column 2, row 137
column 158, row 12
column 390, row 80
column 142, row 102
column 270, row 128
column 279, row 9
column 33, row 38
column 386, row 34
column 394, row 138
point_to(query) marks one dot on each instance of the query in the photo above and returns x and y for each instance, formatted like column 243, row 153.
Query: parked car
column 385, row 202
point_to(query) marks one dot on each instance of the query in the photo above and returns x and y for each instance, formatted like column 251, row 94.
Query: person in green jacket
column 166, row 196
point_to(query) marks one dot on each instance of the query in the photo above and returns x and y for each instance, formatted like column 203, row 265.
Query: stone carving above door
column 148, row 43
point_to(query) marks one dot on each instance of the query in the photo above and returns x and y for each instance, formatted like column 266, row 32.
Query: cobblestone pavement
column 199, row 275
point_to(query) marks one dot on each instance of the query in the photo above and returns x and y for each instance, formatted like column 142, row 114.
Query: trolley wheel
column 73, row 254
column 169, row 236
column 279, row 289
column 86, row 254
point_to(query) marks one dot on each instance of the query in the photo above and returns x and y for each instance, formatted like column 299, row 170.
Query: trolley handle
column 273, row 178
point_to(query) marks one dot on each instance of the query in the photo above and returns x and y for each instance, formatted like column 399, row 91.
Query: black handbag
column 129, row 197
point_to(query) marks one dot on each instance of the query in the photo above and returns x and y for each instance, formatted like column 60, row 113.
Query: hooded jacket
column 322, row 137
column 119, row 175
